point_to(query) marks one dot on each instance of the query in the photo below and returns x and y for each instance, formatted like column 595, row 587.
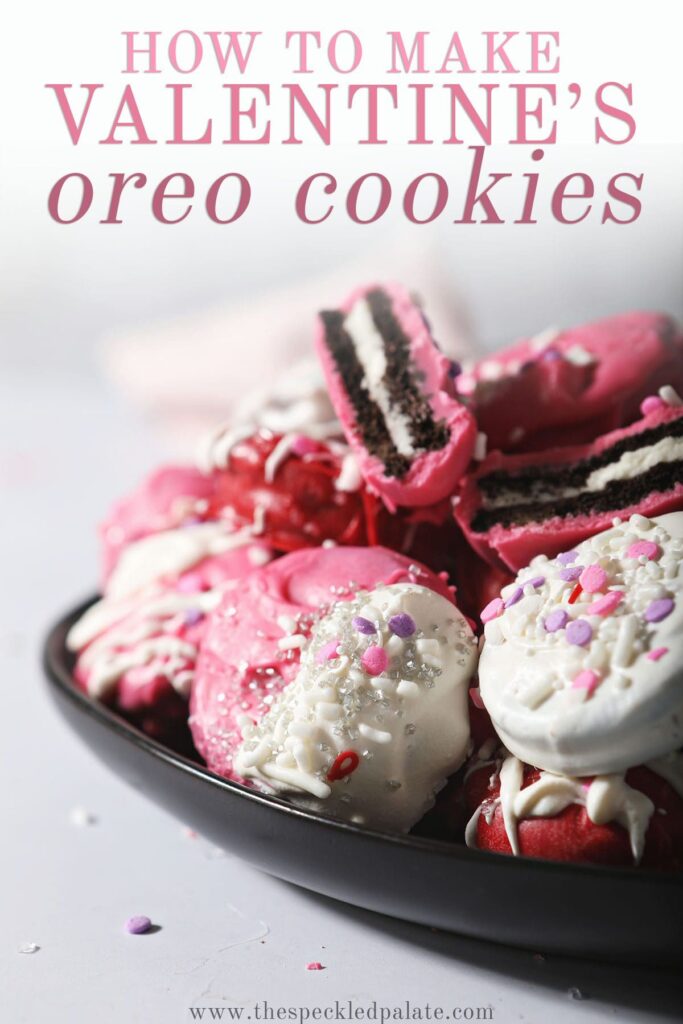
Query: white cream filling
column 369, row 346
column 629, row 465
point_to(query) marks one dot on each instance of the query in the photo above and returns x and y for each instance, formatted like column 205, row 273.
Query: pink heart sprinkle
column 303, row 445
column 493, row 609
column 657, row 653
column 190, row 583
column 374, row 660
column 593, row 579
column 646, row 548
column 653, row 403
column 328, row 651
column 606, row 604
column 586, row 680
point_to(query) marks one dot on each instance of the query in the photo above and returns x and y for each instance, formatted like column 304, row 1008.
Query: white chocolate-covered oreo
column 582, row 668
column 376, row 719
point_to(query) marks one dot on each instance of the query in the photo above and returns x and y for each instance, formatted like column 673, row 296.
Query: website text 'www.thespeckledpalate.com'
column 343, row 1011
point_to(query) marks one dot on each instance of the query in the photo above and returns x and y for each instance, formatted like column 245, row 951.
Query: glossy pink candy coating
column 432, row 475
column 538, row 402
column 162, row 502
column 241, row 667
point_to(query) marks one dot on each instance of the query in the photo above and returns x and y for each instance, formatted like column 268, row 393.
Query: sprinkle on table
column 138, row 925
column 315, row 965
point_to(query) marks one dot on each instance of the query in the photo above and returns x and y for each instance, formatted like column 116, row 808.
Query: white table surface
column 229, row 936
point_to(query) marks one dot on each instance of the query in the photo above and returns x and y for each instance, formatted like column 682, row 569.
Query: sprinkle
column 644, row 549
column 567, row 557
column 556, row 620
column 659, row 609
column 479, row 453
column 303, row 445
column 593, row 579
column 374, row 660
column 573, row 573
column 536, row 582
column 328, row 651
column 516, row 595
column 670, row 396
column 579, row 633
column 657, row 653
column 363, row 625
column 606, row 604
column 454, row 370
column 652, row 404
column 475, row 697
column 315, row 965
column 190, row 583
column 29, row 947
column 575, row 594
column 81, row 817
column 192, row 616
column 493, row 609
column 344, row 764
column 586, row 680
column 402, row 625
column 138, row 925
column 551, row 355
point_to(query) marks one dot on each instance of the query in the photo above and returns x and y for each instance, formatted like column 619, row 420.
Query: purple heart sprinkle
column 402, row 625
column 362, row 625
column 567, row 557
column 659, row 609
column 192, row 616
column 516, row 595
column 555, row 620
column 579, row 633
column 570, row 574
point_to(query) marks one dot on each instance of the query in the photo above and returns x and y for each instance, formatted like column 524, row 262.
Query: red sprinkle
column 475, row 697
column 344, row 764
column 575, row 594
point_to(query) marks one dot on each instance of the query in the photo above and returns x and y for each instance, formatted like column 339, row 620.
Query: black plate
column 580, row 910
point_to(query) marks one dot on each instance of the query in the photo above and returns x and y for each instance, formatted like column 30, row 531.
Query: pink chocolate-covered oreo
column 168, row 497
column 392, row 390
column 252, row 646
column 515, row 507
column 571, row 386
column 136, row 649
